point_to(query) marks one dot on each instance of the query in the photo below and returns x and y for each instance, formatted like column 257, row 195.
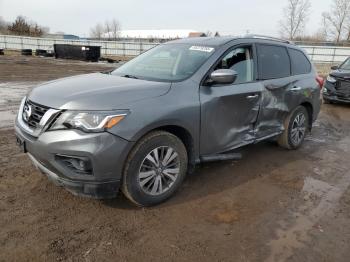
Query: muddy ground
column 273, row 205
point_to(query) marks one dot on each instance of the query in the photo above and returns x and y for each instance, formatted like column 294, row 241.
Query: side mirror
column 223, row 76
column 335, row 67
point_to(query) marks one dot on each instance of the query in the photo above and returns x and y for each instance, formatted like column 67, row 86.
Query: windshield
column 346, row 65
column 169, row 62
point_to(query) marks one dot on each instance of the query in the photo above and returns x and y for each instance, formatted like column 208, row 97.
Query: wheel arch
column 310, row 111
column 183, row 134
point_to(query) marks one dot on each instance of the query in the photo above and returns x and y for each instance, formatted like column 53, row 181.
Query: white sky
column 227, row 16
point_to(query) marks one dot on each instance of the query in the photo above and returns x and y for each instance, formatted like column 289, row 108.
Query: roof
column 218, row 41
column 210, row 41
column 157, row 34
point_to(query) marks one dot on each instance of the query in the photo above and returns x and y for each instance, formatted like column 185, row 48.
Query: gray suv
column 141, row 127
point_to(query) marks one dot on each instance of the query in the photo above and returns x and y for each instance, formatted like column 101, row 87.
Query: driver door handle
column 296, row 88
column 252, row 96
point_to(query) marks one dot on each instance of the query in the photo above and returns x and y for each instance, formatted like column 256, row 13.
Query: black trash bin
column 40, row 52
column 28, row 52
column 1, row 51
column 78, row 52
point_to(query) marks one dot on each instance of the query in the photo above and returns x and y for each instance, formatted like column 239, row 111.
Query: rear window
column 300, row 64
column 273, row 62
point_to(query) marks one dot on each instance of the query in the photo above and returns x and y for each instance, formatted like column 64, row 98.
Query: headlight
column 88, row 121
column 331, row 79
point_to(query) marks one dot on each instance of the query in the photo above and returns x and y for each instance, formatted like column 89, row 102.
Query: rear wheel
column 154, row 169
column 296, row 126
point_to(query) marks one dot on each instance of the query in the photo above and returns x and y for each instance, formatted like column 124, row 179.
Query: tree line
column 22, row 26
column 335, row 23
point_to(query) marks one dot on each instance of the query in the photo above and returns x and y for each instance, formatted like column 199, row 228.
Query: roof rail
column 268, row 38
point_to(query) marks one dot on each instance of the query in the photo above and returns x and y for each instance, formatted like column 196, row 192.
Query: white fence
column 327, row 54
column 110, row 48
column 318, row 54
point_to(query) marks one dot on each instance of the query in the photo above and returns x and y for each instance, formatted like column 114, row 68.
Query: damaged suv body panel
column 337, row 86
column 277, row 77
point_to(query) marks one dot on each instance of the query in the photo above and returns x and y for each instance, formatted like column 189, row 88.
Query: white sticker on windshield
column 202, row 48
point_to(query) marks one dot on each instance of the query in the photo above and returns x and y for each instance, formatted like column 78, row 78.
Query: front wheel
column 155, row 169
column 296, row 125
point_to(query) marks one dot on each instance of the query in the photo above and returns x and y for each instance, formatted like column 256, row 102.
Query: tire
column 288, row 138
column 148, row 183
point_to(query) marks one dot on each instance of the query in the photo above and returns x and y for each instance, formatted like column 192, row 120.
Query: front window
column 240, row 60
column 346, row 65
column 169, row 62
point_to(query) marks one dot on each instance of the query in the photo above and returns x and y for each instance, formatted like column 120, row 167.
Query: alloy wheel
column 298, row 129
column 159, row 170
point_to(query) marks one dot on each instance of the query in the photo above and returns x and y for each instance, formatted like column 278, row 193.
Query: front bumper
column 98, row 190
column 335, row 98
column 106, row 152
column 329, row 93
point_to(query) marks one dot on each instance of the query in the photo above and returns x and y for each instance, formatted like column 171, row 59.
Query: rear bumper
column 97, row 190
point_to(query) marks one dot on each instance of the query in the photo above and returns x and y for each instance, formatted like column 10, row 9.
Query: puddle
column 306, row 218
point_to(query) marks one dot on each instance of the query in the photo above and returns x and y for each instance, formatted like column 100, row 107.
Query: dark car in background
column 140, row 127
column 337, row 85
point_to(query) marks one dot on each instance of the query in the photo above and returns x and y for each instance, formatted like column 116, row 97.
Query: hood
column 341, row 73
column 96, row 91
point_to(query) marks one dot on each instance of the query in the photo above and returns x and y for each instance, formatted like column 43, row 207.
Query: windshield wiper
column 130, row 76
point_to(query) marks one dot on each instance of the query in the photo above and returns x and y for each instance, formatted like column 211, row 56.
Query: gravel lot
column 273, row 205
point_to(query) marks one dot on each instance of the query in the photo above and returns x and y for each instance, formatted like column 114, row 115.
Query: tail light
column 320, row 81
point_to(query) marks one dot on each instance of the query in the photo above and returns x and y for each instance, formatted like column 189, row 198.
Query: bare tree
column 115, row 28
column 338, row 18
column 97, row 31
column 323, row 32
column 296, row 14
column 208, row 33
column 3, row 25
column 21, row 26
column 107, row 30
column 347, row 28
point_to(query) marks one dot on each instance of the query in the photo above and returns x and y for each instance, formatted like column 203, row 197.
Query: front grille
column 32, row 113
column 343, row 88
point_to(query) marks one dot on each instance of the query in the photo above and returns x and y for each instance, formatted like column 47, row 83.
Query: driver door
column 229, row 112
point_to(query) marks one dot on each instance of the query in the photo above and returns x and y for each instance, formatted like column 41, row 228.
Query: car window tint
column 241, row 61
column 300, row 64
column 273, row 61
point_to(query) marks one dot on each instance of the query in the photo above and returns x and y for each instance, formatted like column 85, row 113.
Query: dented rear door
column 276, row 102
column 279, row 89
